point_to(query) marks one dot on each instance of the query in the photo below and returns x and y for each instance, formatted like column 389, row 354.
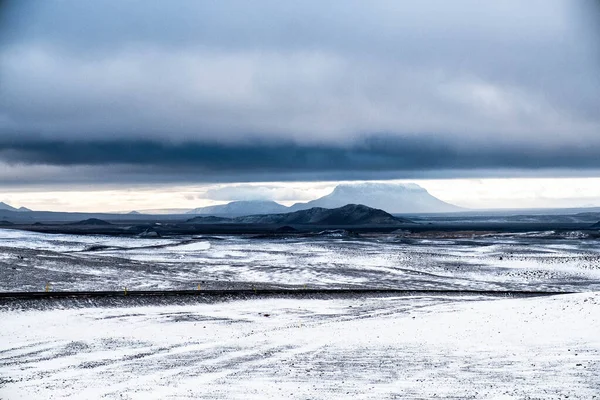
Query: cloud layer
column 280, row 89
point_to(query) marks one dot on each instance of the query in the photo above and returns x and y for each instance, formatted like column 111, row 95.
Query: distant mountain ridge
column 242, row 208
column 393, row 198
column 8, row 207
column 4, row 206
column 350, row 214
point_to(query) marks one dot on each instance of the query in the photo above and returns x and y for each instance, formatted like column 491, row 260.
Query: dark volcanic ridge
column 92, row 221
column 350, row 214
column 210, row 220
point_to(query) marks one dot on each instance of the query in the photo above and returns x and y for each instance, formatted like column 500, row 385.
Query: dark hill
column 91, row 221
column 5, row 223
column 596, row 225
column 286, row 229
column 351, row 214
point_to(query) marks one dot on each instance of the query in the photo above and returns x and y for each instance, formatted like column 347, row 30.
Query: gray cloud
column 381, row 157
column 284, row 89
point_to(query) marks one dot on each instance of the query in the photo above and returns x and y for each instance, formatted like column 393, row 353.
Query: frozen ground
column 301, row 346
column 362, row 348
column 535, row 261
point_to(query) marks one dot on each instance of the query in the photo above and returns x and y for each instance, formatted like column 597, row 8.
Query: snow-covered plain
column 29, row 261
column 305, row 346
column 365, row 348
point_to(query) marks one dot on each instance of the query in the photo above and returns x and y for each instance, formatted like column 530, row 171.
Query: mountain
column 596, row 225
column 7, row 207
column 242, row 208
column 351, row 214
column 4, row 206
column 392, row 197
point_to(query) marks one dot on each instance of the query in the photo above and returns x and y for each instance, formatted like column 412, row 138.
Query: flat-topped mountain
column 250, row 207
column 350, row 214
column 392, row 197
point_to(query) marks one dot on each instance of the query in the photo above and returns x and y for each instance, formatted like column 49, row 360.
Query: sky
column 135, row 104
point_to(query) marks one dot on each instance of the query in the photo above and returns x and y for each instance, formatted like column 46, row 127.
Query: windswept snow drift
column 363, row 348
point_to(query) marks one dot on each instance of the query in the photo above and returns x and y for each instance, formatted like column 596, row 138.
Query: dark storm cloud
column 382, row 154
column 289, row 89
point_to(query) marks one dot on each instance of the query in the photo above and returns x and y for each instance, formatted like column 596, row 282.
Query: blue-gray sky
column 142, row 91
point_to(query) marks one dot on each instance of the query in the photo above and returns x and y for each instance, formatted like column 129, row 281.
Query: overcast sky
column 190, row 93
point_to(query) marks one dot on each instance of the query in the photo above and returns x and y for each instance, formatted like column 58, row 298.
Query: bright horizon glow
column 487, row 193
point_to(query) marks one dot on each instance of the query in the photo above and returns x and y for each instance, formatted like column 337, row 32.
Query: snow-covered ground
column 362, row 348
column 28, row 261
column 376, row 347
